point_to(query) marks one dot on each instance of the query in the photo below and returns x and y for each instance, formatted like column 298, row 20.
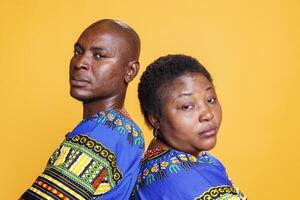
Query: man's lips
column 78, row 81
column 210, row 131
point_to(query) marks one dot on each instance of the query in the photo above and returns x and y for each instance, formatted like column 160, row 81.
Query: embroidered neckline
column 117, row 121
column 158, row 151
column 159, row 163
column 123, row 112
column 154, row 153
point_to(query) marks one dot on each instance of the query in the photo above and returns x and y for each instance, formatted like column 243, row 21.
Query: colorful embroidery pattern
column 80, row 169
column 153, row 153
column 123, row 125
column 222, row 193
column 53, row 191
column 173, row 174
column 101, row 151
column 168, row 162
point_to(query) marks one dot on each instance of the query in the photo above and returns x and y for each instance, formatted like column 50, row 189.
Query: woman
column 179, row 102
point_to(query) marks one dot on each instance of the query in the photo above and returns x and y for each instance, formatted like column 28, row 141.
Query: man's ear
column 132, row 71
column 154, row 120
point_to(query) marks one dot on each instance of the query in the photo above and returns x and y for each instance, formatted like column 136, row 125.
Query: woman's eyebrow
column 209, row 88
column 184, row 94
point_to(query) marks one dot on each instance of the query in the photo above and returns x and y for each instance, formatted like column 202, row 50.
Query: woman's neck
column 159, row 143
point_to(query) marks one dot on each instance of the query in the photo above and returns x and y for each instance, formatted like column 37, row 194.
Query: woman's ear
column 132, row 71
column 154, row 120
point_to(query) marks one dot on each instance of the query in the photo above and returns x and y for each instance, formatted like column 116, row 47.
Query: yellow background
column 251, row 47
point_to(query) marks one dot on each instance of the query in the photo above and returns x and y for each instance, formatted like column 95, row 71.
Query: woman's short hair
column 161, row 72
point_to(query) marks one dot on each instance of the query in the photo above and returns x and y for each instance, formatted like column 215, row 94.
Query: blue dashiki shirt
column 99, row 159
column 171, row 174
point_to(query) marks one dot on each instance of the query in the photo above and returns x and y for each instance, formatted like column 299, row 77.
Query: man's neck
column 93, row 107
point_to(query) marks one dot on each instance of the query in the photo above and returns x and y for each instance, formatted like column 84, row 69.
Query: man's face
column 99, row 64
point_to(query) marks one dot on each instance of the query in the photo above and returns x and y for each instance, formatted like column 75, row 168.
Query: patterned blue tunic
column 170, row 174
column 99, row 159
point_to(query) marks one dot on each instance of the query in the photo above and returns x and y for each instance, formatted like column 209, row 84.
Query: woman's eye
column 187, row 107
column 212, row 100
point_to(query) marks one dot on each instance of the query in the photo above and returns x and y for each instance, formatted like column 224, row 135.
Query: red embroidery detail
column 100, row 178
column 52, row 190
column 153, row 153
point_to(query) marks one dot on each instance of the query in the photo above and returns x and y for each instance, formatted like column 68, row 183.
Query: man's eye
column 77, row 52
column 98, row 55
column 212, row 100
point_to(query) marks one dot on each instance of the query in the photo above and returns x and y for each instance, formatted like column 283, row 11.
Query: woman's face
column 190, row 114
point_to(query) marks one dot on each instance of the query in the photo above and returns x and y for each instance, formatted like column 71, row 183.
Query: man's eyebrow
column 77, row 45
column 99, row 48
column 93, row 48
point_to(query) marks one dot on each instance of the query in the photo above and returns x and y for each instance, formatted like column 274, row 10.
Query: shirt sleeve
column 222, row 168
column 100, row 162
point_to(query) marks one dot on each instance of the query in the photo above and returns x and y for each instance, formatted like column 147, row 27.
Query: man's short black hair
column 161, row 72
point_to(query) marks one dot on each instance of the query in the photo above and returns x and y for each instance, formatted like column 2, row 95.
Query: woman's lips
column 209, row 132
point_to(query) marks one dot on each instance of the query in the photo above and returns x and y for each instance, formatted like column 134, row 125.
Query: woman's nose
column 205, row 114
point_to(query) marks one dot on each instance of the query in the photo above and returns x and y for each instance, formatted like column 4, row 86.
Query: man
column 100, row 157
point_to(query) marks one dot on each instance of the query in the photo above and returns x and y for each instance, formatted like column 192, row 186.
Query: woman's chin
column 208, row 144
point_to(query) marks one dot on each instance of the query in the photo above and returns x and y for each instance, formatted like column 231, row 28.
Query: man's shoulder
column 122, row 125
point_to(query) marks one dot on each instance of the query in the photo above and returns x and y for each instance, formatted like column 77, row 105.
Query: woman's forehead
column 185, row 85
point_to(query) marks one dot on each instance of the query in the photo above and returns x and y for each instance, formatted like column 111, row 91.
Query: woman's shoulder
column 168, row 172
column 216, row 162
column 160, row 164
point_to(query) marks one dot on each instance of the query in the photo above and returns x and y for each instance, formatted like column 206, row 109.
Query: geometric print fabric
column 80, row 168
column 85, row 167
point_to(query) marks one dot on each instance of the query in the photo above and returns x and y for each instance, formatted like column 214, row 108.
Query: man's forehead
column 102, row 35
column 114, row 34
column 98, row 31
column 111, row 28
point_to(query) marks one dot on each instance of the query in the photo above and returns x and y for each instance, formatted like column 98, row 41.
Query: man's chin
column 79, row 96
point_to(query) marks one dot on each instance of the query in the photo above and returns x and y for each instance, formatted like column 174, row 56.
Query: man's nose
column 82, row 62
column 205, row 113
